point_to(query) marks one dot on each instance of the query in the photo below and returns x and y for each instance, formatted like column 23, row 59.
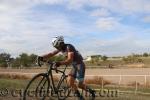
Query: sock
column 77, row 93
column 90, row 91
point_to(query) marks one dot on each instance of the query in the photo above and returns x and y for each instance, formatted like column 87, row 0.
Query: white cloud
column 107, row 24
column 131, row 6
column 146, row 19
column 124, row 7
column 101, row 3
column 50, row 2
column 24, row 29
column 76, row 4
column 7, row 6
column 124, row 44
column 100, row 13
column 29, row 35
column 147, row 7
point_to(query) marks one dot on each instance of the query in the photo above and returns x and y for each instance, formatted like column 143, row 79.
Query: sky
column 105, row 27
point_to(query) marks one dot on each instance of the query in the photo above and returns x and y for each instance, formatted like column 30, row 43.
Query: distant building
column 89, row 58
column 114, row 58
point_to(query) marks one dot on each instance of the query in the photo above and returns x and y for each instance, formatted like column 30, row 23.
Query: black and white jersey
column 70, row 48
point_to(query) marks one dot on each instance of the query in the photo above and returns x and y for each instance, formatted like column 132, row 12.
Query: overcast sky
column 110, row 27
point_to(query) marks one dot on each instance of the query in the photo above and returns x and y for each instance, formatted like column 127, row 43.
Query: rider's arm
column 70, row 56
column 51, row 54
column 69, row 59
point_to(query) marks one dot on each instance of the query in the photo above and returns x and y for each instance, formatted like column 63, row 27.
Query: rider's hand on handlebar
column 57, row 64
column 39, row 60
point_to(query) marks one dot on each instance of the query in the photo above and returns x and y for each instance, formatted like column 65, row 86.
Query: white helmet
column 57, row 40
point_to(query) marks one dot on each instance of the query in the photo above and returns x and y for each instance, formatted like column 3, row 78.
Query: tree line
column 135, row 58
column 28, row 60
column 23, row 60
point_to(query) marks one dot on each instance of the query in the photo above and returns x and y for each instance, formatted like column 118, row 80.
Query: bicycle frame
column 49, row 73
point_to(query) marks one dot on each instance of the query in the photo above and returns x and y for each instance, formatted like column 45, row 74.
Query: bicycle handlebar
column 51, row 63
column 54, row 67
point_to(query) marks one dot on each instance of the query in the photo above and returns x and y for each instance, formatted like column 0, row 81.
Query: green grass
column 118, row 63
column 122, row 88
column 20, row 84
column 12, row 83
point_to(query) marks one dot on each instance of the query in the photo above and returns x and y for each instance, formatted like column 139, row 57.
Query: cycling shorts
column 78, row 71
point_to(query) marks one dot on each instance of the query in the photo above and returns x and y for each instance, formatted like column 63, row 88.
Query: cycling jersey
column 70, row 48
column 78, row 69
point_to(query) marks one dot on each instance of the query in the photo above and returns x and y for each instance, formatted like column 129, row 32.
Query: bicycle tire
column 45, row 82
column 63, row 89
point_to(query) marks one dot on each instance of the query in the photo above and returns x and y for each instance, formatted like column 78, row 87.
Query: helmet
column 56, row 41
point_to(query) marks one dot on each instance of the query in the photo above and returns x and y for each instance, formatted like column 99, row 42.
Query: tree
column 145, row 54
column 125, row 59
column 32, row 58
column 104, row 58
column 130, row 59
column 24, row 59
column 27, row 60
column 4, row 58
column 16, row 62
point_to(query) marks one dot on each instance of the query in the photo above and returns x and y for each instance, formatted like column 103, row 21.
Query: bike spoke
column 37, row 88
column 63, row 89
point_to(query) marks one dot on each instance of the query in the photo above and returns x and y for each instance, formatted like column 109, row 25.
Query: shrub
column 97, row 80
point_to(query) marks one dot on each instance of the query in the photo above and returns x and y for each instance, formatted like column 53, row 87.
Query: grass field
column 18, row 84
column 17, row 79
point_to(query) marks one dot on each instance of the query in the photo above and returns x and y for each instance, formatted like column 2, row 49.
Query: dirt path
column 114, row 75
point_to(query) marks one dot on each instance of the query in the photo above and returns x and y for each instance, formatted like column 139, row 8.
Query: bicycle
column 45, row 86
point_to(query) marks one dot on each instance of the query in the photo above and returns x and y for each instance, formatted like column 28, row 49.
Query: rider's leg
column 71, row 83
column 81, row 85
column 71, row 79
column 80, row 77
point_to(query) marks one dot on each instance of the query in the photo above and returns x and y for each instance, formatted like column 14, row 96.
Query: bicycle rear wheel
column 37, row 88
column 63, row 88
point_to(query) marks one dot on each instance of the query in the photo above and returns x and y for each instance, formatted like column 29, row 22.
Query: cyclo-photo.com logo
column 4, row 92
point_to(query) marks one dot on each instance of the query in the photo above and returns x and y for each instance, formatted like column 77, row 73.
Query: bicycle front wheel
column 37, row 88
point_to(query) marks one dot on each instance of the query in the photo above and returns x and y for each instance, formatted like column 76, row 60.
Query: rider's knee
column 70, row 84
column 80, row 84
column 70, row 81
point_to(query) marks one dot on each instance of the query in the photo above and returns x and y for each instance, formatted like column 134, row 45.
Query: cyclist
column 72, row 57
